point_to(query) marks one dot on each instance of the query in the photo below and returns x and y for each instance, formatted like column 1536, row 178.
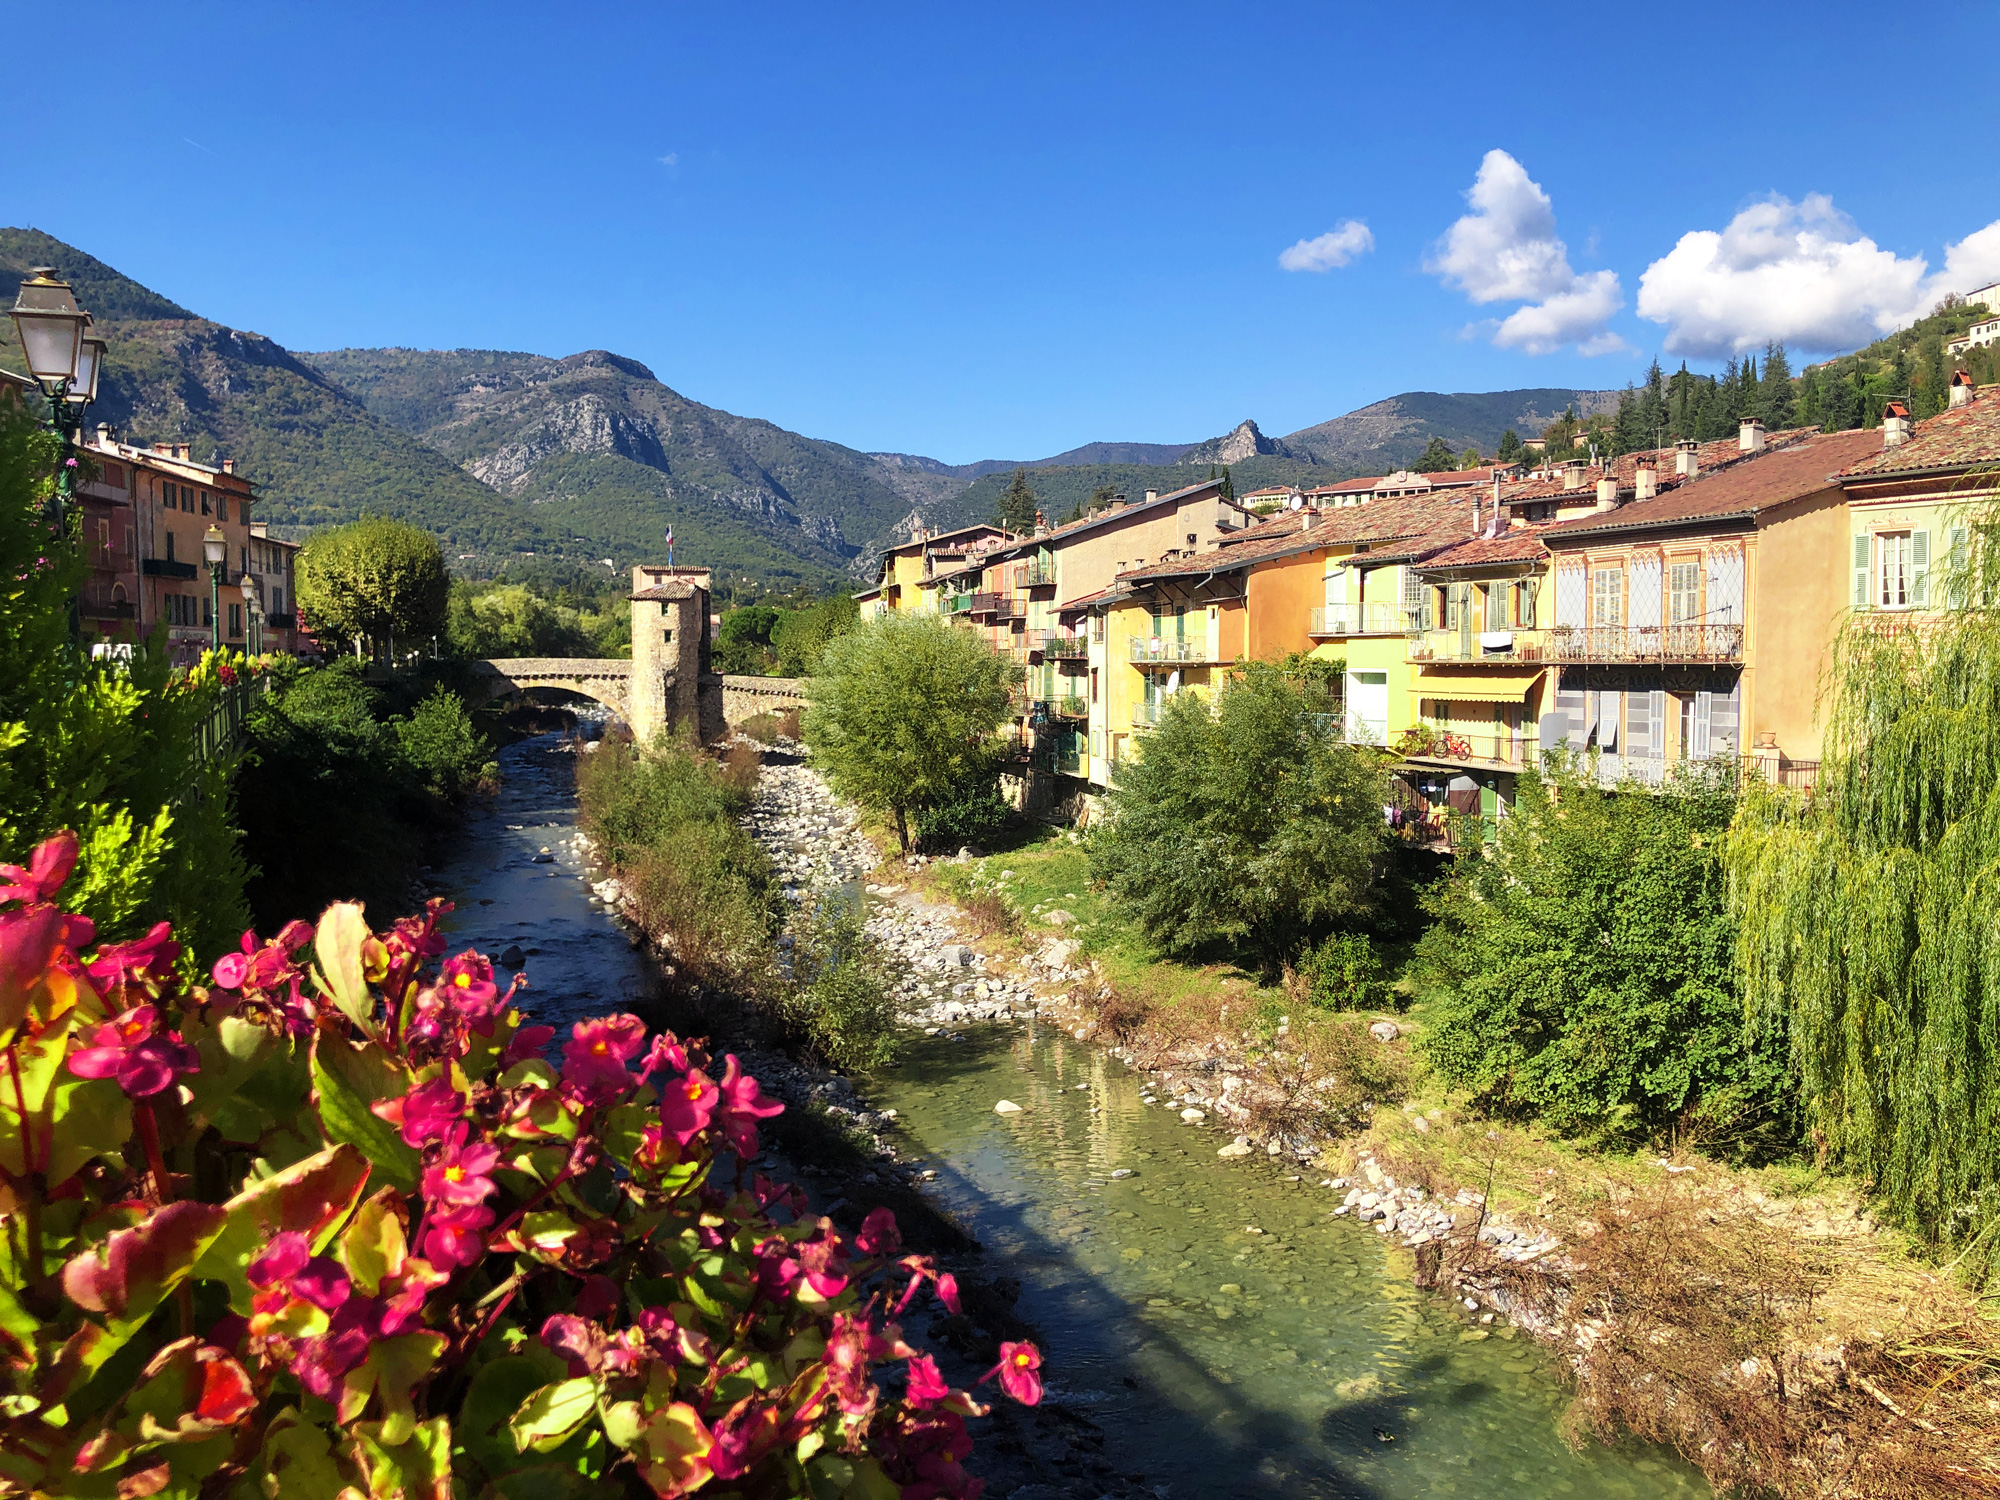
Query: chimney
column 1895, row 425
column 1607, row 494
column 1475, row 513
column 107, row 435
column 1750, row 436
column 1645, row 482
column 1961, row 388
column 1687, row 458
column 1306, row 519
column 229, row 466
column 1573, row 474
column 1151, row 496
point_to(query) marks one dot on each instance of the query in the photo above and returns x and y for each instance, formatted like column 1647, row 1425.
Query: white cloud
column 1802, row 274
column 1506, row 250
column 1346, row 240
column 671, row 159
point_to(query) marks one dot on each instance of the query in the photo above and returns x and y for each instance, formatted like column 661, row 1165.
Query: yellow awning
column 1476, row 686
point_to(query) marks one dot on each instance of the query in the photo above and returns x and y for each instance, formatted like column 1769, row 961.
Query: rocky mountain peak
column 1243, row 441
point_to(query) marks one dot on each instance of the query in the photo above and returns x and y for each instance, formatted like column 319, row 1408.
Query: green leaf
column 297, row 1462
column 419, row 1468
column 311, row 1196
column 495, row 1394
column 92, row 1118
column 346, row 1080
column 392, row 1369
column 337, row 944
column 374, row 1244
column 548, row 1418
column 141, row 1266
column 38, row 1061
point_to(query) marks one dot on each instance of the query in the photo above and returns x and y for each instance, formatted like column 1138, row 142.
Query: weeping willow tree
column 1869, row 916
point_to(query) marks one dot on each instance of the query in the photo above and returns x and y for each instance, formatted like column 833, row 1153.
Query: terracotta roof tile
column 1954, row 439
column 1521, row 544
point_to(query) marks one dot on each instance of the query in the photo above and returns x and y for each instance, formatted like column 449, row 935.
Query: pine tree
column 1228, row 484
column 1625, row 428
column 1436, row 457
column 1017, row 505
column 1470, row 459
column 1510, row 446
column 1776, row 403
column 1651, row 417
column 1812, row 404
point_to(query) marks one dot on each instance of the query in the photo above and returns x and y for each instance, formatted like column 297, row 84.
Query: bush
column 375, row 580
column 1345, row 972
column 1248, row 823
column 839, row 997
column 1582, row 969
column 448, row 756
column 974, row 813
column 461, row 1268
column 763, row 727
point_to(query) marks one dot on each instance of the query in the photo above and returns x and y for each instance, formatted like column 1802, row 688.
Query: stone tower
column 672, row 685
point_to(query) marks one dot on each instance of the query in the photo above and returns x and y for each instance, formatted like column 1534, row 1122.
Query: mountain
column 1390, row 434
column 1244, row 442
column 316, row 455
column 602, row 451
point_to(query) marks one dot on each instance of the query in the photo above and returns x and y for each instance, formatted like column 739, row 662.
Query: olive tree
column 373, row 580
column 903, row 711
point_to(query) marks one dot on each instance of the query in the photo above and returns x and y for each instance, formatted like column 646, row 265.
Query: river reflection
column 1228, row 1334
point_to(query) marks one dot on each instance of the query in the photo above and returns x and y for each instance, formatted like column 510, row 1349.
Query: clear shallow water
column 1323, row 1373
column 1228, row 1334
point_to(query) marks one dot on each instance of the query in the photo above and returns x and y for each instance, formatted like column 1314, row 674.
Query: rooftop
column 1953, row 439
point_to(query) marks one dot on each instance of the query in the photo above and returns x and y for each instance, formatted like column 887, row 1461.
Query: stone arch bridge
column 609, row 681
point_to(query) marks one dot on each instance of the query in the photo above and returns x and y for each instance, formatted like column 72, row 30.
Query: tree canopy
column 1017, row 504
column 374, row 580
column 1436, row 457
column 902, row 713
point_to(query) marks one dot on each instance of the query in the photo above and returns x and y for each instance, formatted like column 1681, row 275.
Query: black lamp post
column 215, row 549
column 64, row 358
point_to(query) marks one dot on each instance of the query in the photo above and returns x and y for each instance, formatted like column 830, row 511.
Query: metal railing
column 1167, row 648
column 1032, row 575
column 1066, row 648
column 983, row 603
column 1492, row 645
column 99, row 604
column 1481, row 749
column 1071, row 707
column 1145, row 715
column 224, row 725
column 958, row 604
column 1620, row 643
column 1358, row 619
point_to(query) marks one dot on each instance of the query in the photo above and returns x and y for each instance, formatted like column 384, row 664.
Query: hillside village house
column 1912, row 500
column 906, row 582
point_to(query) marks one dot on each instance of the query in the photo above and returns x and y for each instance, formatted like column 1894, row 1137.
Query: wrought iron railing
column 1066, row 648
column 1358, row 619
column 1169, row 649
column 1492, row 645
column 1621, row 643
column 1071, row 707
column 1145, row 715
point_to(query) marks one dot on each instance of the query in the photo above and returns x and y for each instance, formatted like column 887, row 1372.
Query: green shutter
column 1920, row 569
column 1861, row 570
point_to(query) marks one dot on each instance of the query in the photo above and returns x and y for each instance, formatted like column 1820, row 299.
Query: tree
column 1017, row 505
column 1246, row 823
column 374, row 580
column 1437, row 456
column 1777, row 404
column 1868, row 937
column 903, row 711
column 1470, row 459
column 798, row 636
column 1228, row 484
column 1581, row 969
column 1510, row 447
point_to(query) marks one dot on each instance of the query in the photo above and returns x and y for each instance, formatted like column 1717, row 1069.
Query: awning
column 1476, row 687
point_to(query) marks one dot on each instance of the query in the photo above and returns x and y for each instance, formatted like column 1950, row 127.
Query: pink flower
column 947, row 1290
column 230, row 970
column 595, row 1056
column 149, row 960
column 879, row 1234
column 777, row 1269
column 741, row 1438
column 666, row 1052
column 848, row 1353
column 687, row 1105
column 526, row 1043
column 1018, row 1367
column 577, row 1340
column 743, row 1105
column 280, row 1260
column 131, row 1050
column 423, row 1114
column 468, row 981
column 452, row 1237
column 458, row 1178
column 926, row 1386
column 824, row 1262
column 48, row 869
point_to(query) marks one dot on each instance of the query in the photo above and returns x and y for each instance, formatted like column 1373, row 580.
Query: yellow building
column 908, row 578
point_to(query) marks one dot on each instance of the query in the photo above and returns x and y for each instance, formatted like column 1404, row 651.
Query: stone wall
column 746, row 697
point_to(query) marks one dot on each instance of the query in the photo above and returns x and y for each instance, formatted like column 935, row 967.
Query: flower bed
column 333, row 1222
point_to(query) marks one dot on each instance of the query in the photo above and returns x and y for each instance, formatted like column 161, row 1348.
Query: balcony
column 1645, row 643
column 94, row 604
column 958, row 604
column 281, row 622
column 1333, row 621
column 159, row 567
column 1032, row 575
column 1489, row 645
column 1492, row 751
column 1066, row 648
column 1146, row 715
column 982, row 604
column 1167, row 650
column 1072, row 707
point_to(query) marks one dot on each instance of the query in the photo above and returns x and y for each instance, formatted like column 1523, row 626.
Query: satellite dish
column 1298, row 502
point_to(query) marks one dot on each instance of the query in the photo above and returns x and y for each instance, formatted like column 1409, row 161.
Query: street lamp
column 215, row 549
column 64, row 358
column 253, row 604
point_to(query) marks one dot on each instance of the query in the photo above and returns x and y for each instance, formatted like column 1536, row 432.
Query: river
column 1227, row 1334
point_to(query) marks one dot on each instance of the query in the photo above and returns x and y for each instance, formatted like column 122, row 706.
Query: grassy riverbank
column 1755, row 1317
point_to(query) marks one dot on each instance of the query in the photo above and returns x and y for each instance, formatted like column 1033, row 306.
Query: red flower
column 425, row 1113
column 1017, row 1371
column 687, row 1105
column 595, row 1056
column 824, row 1262
column 458, row 1178
column 666, row 1052
column 48, row 869
column 131, row 1049
column 452, row 1237
column 468, row 981
column 879, row 1234
column 526, row 1043
column 926, row 1386
column 743, row 1105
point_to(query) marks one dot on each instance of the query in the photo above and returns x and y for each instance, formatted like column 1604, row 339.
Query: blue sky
column 1002, row 231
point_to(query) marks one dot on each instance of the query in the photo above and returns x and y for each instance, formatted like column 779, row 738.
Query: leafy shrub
column 442, row 748
column 1345, row 972
column 763, row 727
column 629, row 802
column 708, row 904
column 839, row 996
column 972, row 813
column 1582, row 970
column 462, row 1268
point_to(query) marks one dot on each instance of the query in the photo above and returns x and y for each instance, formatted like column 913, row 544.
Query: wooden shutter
column 1656, row 723
column 1704, row 725
column 1861, row 570
column 1920, row 569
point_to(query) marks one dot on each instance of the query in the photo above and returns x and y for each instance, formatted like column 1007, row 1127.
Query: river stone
column 1385, row 1031
column 513, row 958
column 1237, row 1147
column 1006, row 1107
column 1193, row 1116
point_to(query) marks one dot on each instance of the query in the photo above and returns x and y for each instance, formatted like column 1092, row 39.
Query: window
column 114, row 475
column 235, row 619
column 208, row 614
column 1093, row 684
column 277, row 601
column 1683, row 593
column 170, row 547
column 1607, row 597
column 204, row 503
column 187, row 498
column 1892, row 570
